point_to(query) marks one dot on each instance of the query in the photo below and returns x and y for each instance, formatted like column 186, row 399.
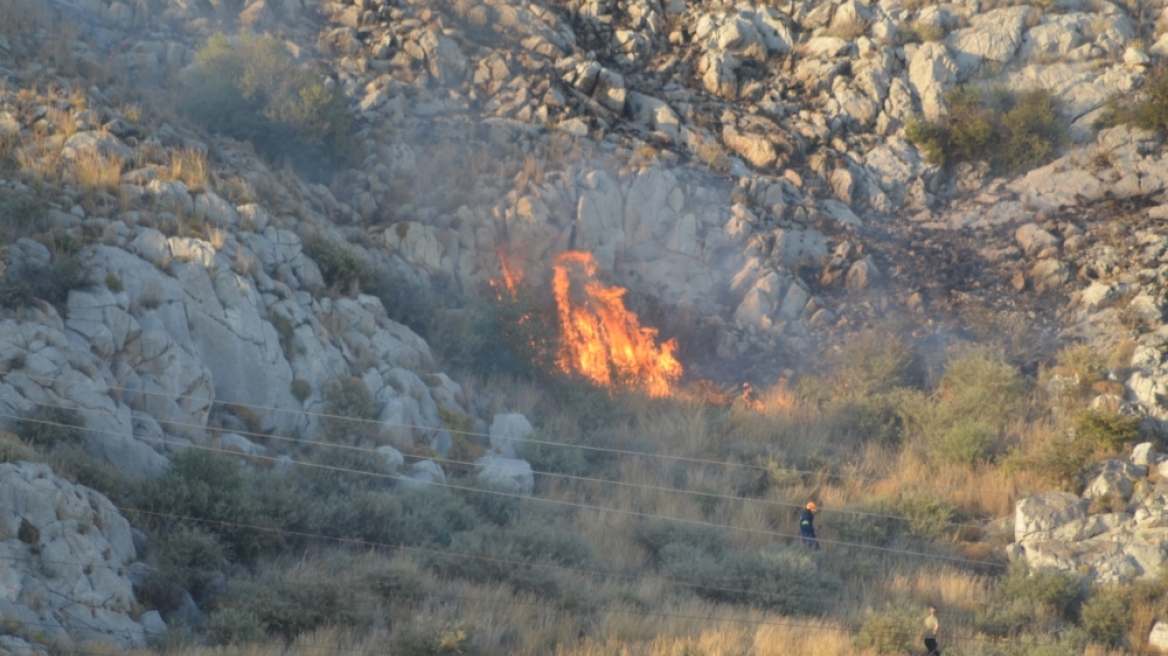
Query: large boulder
column 509, row 475
column 65, row 551
column 507, row 433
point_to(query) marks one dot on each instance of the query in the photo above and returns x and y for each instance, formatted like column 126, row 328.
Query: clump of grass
column 250, row 88
column 1010, row 131
column 97, row 173
column 920, row 32
column 189, row 166
column 48, row 426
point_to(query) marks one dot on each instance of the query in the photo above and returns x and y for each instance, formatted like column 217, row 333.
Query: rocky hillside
column 759, row 177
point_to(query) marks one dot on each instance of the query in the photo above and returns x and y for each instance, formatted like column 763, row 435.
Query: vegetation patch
column 250, row 88
column 1010, row 131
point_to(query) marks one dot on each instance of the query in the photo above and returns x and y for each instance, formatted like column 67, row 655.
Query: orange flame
column 600, row 338
column 512, row 275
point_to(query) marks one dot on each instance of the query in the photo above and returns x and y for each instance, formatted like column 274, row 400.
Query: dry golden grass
column 189, row 166
column 96, row 172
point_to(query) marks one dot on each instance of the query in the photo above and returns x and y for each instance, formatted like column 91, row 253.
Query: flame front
column 602, row 340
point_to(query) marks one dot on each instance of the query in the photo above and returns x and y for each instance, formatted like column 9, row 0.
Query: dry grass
column 97, row 173
column 189, row 166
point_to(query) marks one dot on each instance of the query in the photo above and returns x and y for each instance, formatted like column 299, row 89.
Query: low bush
column 885, row 519
column 1106, row 431
column 655, row 535
column 231, row 626
column 72, row 462
column 894, row 630
column 1147, row 109
column 189, row 556
column 1046, row 588
column 47, row 426
column 1009, row 131
column 785, row 580
column 250, row 88
column 208, row 488
column 395, row 584
column 340, row 266
column 1105, row 615
column 349, row 410
column 502, row 552
column 288, row 608
column 434, row 638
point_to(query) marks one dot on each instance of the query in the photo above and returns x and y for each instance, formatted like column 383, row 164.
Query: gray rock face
column 509, row 475
column 66, row 549
column 508, row 431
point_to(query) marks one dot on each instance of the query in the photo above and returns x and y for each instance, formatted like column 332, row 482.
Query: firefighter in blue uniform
column 807, row 526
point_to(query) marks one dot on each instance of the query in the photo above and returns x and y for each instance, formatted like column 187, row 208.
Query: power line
column 585, row 447
column 570, row 504
column 657, row 488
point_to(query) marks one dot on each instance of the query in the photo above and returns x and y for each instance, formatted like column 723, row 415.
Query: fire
column 512, row 275
column 602, row 340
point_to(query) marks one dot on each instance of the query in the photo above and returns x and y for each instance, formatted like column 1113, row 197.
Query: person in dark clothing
column 807, row 526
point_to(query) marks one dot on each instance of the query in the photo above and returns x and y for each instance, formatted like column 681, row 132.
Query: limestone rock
column 509, row 475
column 507, row 433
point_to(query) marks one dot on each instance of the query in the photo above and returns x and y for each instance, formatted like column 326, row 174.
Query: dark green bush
column 350, row 409
column 301, row 389
column 47, row 426
column 1048, row 588
column 394, row 584
column 1009, row 131
column 288, row 608
column 872, row 362
column 234, row 626
column 785, row 580
column 503, row 551
column 1106, row 431
column 189, row 556
column 1105, row 616
column 73, row 463
column 657, row 534
column 963, row 444
column 50, row 283
column 250, row 88
column 920, row 515
column 208, row 486
column 340, row 266
column 894, row 630
column 1147, row 109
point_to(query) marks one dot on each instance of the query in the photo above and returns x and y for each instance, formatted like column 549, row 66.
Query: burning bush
column 250, row 88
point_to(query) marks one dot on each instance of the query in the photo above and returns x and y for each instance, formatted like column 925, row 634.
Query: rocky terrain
column 742, row 168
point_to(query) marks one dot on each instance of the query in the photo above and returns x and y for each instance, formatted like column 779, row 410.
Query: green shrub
column 1083, row 361
column 501, row 552
column 234, row 626
column 919, row 32
column 785, row 579
column 657, row 534
column 351, row 408
column 872, row 362
column 1060, row 592
column 205, row 485
column 288, row 608
column 893, row 630
column 113, row 282
column 866, row 419
column 340, row 265
column 13, row 450
column 1106, row 431
column 429, row 638
column 963, row 444
column 251, row 89
column 190, row 556
column 1007, row 619
column 1009, row 131
column 1147, row 109
column 917, row 515
column 301, row 389
column 1105, row 616
column 73, row 463
column 393, row 584
column 46, row 426
column 50, row 283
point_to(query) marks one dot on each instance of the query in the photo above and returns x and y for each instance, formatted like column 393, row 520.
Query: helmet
column 811, row 506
